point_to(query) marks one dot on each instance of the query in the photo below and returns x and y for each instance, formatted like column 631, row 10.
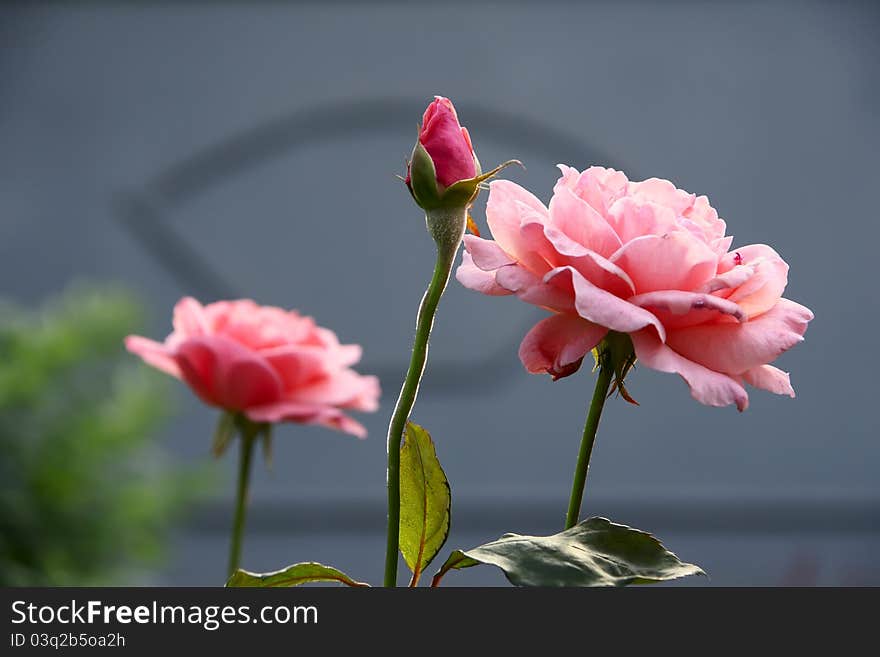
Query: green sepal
column 223, row 434
column 231, row 424
column 431, row 195
column 464, row 192
column 423, row 179
column 266, row 441
column 617, row 353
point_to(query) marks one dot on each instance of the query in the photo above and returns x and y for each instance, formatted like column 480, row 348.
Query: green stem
column 447, row 228
column 248, row 438
column 580, row 474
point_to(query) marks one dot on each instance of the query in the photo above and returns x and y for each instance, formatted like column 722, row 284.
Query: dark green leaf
column 596, row 552
column 424, row 500
column 299, row 573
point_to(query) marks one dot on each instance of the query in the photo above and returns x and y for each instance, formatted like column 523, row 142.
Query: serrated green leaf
column 298, row 573
column 595, row 552
column 425, row 500
column 223, row 434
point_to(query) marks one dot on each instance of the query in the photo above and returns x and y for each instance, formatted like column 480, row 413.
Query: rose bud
column 444, row 169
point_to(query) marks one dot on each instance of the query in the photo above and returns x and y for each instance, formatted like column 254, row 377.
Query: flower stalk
column 614, row 359
column 600, row 393
column 446, row 226
column 249, row 433
column 444, row 177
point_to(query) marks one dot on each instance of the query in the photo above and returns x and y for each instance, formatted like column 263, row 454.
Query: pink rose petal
column 534, row 289
column 554, row 344
column 301, row 413
column 672, row 261
column 486, row 254
column 189, row 318
column 632, row 219
column 581, row 223
column 677, row 309
column 344, row 389
column 707, row 386
column 769, row 378
column 474, row 278
column 153, row 353
column 601, row 307
column 558, row 250
column 227, row 374
column 508, row 204
column 447, row 143
column 735, row 348
column 764, row 288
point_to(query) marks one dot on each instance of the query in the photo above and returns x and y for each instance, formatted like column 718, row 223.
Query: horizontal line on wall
column 696, row 516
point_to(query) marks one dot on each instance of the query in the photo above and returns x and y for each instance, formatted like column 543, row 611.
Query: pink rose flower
column 645, row 259
column 270, row 364
column 447, row 143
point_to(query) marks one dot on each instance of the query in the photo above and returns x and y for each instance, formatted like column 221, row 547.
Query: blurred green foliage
column 86, row 497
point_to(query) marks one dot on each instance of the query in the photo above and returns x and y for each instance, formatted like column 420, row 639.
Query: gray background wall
column 250, row 149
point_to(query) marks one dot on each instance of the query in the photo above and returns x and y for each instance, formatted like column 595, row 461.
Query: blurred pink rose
column 641, row 258
column 270, row 364
column 447, row 142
